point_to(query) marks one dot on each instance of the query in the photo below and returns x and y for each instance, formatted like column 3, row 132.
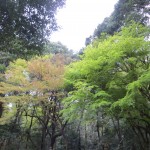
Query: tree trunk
column 43, row 139
column 119, row 134
column 1, row 109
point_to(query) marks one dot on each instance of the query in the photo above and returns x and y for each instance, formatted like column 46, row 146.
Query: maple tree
column 33, row 92
column 110, row 86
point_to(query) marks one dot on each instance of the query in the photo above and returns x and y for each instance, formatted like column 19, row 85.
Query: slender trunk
column 79, row 142
column 98, row 133
column 144, row 138
column 43, row 138
column 65, row 140
column 28, row 133
column 85, row 137
column 17, row 119
column 119, row 134
column 1, row 105
column 44, row 127
column 1, row 109
column 53, row 140
column 139, row 140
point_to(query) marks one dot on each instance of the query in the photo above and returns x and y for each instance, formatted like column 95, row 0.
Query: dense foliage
column 31, row 103
column 125, row 11
column 25, row 26
column 111, row 87
column 99, row 100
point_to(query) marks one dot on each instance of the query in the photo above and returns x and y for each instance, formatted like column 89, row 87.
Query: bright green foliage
column 136, row 102
column 113, row 78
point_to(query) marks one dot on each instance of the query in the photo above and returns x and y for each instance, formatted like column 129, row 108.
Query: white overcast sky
column 78, row 20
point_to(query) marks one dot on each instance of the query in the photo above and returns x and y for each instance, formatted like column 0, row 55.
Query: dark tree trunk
column 1, row 109
column 1, row 105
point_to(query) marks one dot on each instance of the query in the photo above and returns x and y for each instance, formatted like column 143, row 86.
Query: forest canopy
column 112, row 82
column 26, row 25
column 53, row 99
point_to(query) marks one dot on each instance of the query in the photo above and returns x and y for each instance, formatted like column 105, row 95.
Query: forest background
column 51, row 98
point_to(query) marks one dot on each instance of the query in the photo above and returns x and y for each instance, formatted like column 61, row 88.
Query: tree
column 59, row 48
column 125, row 11
column 112, row 82
column 55, row 48
column 26, row 25
column 33, row 90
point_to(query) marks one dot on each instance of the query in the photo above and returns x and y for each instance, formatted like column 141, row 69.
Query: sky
column 78, row 19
